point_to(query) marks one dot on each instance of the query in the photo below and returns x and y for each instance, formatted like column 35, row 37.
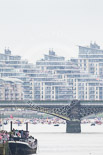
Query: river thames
column 53, row 140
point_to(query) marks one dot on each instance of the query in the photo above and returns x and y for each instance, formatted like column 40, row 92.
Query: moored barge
column 20, row 143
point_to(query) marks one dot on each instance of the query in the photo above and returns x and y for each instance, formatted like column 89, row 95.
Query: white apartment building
column 58, row 79
column 14, row 66
column 90, row 59
column 53, row 77
column 11, row 89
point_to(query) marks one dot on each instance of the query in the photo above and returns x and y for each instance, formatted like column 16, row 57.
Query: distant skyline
column 31, row 27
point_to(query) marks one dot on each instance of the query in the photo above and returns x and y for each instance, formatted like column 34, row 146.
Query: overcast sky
column 30, row 27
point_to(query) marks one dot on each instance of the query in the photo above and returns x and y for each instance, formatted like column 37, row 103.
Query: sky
column 31, row 27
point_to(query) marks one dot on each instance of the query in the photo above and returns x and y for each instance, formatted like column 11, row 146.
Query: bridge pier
column 73, row 126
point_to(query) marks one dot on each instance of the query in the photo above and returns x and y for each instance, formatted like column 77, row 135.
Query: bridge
column 71, row 111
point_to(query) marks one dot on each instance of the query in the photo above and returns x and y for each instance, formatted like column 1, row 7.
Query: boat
column 23, row 144
column 5, row 122
column 92, row 124
column 56, row 124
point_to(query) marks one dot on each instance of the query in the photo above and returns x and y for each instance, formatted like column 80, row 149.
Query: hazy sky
column 30, row 27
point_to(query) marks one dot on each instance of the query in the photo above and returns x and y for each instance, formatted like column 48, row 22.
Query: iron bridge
column 71, row 111
column 68, row 110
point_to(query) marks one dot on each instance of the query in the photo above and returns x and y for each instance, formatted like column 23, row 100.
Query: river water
column 53, row 140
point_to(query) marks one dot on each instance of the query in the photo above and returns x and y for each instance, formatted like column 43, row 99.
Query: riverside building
column 15, row 67
column 59, row 79
column 48, row 80
column 90, row 60
column 52, row 78
column 11, row 89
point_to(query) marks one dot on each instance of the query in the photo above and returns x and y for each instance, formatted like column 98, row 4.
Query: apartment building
column 58, row 79
column 11, row 89
column 14, row 66
column 90, row 59
column 53, row 77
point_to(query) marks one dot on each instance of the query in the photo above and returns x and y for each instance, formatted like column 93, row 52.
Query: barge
column 20, row 143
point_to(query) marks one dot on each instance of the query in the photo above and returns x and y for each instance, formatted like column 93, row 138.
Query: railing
column 27, row 103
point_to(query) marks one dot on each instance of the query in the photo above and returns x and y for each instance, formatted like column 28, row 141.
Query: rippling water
column 53, row 140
